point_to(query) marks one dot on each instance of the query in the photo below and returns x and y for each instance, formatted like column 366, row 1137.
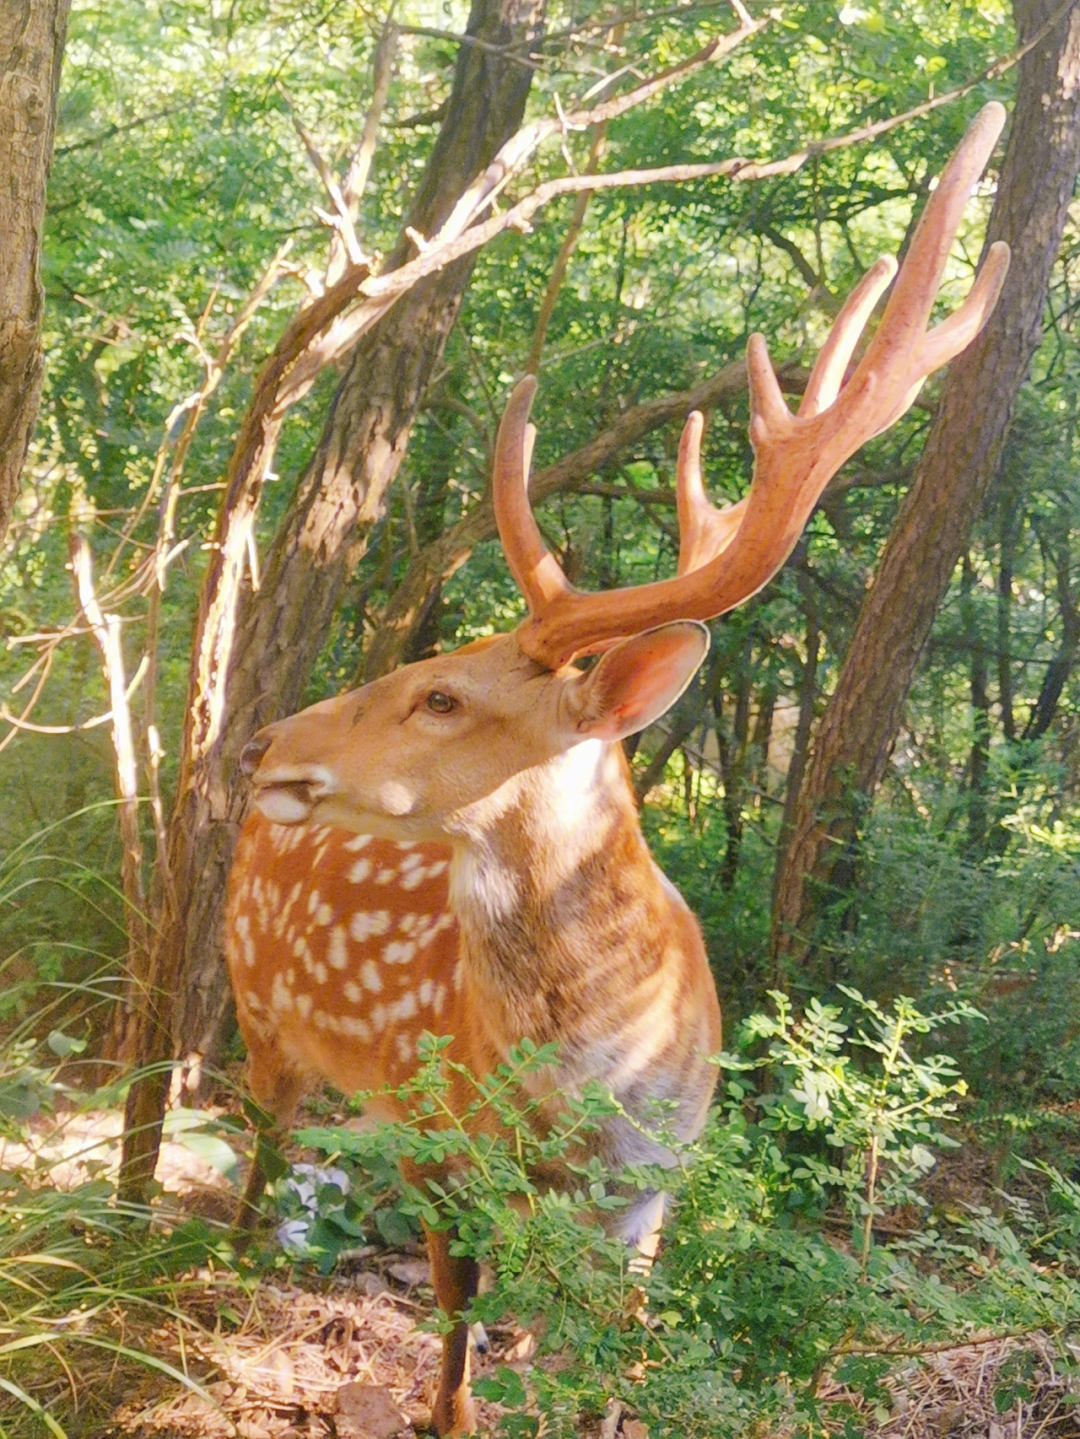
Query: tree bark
column 31, row 47
column 960, row 459
column 282, row 627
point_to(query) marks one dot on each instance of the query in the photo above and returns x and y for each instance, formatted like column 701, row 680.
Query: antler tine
column 946, row 340
column 828, row 373
column 728, row 555
column 704, row 530
column 903, row 326
column 536, row 571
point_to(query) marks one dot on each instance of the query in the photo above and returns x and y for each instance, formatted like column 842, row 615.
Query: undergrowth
column 770, row 1278
column 800, row 1252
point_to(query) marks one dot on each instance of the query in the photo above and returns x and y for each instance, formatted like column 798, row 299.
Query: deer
column 455, row 847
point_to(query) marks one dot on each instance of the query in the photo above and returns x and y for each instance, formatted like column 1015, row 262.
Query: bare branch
column 520, row 147
column 19, row 722
column 433, row 33
column 341, row 222
column 356, row 176
column 566, row 249
column 105, row 629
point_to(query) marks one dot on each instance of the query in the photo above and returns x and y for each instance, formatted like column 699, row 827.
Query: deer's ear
column 637, row 680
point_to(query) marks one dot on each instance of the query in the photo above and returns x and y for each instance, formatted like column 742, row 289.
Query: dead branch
column 105, row 629
column 359, row 169
column 566, row 249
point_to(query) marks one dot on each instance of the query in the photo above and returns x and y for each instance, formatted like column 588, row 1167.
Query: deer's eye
column 440, row 703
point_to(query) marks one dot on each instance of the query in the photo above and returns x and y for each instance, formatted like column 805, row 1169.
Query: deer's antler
column 727, row 555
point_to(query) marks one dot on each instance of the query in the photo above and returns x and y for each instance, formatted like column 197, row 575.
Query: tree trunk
column 31, row 47
column 979, row 761
column 958, row 463
column 733, row 763
column 808, row 692
column 281, row 629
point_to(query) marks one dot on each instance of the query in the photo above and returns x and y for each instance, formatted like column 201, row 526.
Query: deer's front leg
column 455, row 1279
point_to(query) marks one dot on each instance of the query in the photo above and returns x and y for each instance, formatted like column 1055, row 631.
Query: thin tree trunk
column 733, row 764
column 282, row 627
column 1010, row 507
column 958, row 464
column 31, row 48
column 804, row 725
column 979, row 762
column 1060, row 667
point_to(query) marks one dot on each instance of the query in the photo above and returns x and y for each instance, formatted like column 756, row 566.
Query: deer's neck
column 560, row 905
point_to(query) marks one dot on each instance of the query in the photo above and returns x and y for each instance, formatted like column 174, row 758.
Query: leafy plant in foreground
column 750, row 1302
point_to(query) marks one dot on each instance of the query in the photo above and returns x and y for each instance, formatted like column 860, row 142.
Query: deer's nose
column 252, row 753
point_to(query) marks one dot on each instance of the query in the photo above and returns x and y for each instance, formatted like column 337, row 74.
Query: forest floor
column 292, row 1355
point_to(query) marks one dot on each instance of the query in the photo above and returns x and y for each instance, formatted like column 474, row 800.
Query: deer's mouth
column 286, row 801
column 289, row 794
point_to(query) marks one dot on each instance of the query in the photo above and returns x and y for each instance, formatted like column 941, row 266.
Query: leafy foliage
column 755, row 1296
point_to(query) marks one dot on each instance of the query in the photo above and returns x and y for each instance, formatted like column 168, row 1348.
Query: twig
column 19, row 722
column 947, row 1346
column 434, row 33
column 341, row 222
column 566, row 249
column 356, row 176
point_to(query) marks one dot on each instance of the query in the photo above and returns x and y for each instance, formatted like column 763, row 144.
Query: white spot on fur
column 337, row 954
column 364, row 924
column 303, row 1005
column 427, row 991
column 405, row 1007
column 395, row 798
column 352, row 991
column 370, row 976
column 280, row 996
column 399, row 952
column 359, row 842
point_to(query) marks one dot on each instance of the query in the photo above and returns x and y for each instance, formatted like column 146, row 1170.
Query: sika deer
column 342, row 947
